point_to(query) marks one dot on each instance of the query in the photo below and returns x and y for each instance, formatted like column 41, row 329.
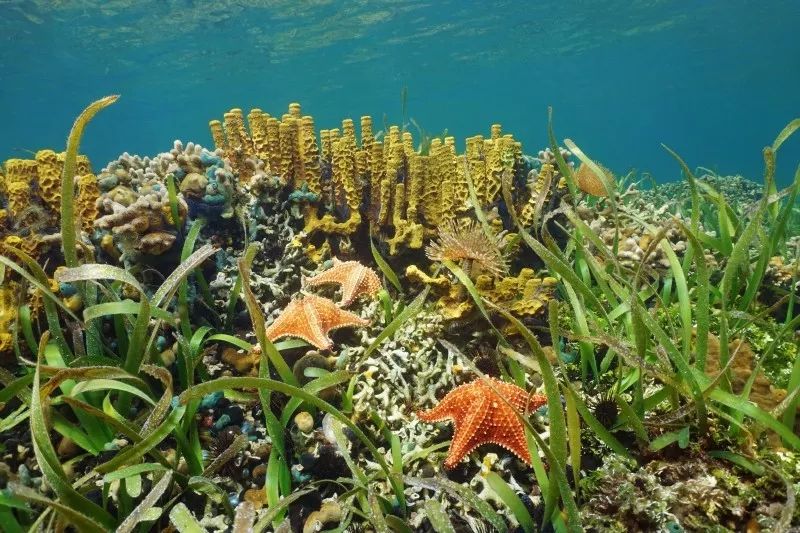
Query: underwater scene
column 399, row 266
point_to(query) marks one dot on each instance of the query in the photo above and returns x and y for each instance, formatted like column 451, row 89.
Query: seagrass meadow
column 367, row 327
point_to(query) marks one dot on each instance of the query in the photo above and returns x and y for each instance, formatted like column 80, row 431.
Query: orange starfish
column 354, row 278
column 480, row 416
column 311, row 318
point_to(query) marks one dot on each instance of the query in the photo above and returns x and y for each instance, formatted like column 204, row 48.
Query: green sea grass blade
column 183, row 520
column 775, row 240
column 462, row 493
column 110, row 384
column 125, row 307
column 230, row 339
column 692, row 181
column 574, row 439
column 677, row 358
column 555, row 264
column 563, row 167
column 74, row 515
column 473, row 292
column 738, row 460
column 122, row 427
column 785, row 133
column 634, row 420
column 134, row 470
column 321, row 383
column 173, row 281
column 26, row 325
column 762, row 417
column 147, row 503
column 701, row 299
column 511, row 500
column 38, row 279
column 186, row 251
column 572, row 396
column 68, row 234
column 16, row 417
column 48, row 461
column 409, row 312
column 201, row 389
column 664, row 440
column 136, row 451
column 684, row 301
column 257, row 318
column 386, row 269
column 438, row 518
column 266, row 519
column 17, row 388
column 586, row 348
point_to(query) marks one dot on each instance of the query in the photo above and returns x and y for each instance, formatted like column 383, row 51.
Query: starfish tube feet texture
column 354, row 278
column 311, row 318
column 482, row 416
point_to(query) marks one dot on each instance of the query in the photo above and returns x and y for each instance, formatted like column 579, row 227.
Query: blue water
column 716, row 80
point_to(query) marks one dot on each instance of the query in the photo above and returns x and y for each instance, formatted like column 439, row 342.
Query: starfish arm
column 513, row 440
column 451, row 406
column 467, row 436
column 294, row 321
column 327, row 277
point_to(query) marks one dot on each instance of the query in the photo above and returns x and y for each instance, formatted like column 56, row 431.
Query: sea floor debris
column 276, row 334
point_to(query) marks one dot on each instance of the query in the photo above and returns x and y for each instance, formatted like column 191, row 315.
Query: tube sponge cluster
column 31, row 192
column 345, row 180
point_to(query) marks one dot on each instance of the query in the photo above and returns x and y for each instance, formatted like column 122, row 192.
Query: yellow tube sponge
column 367, row 137
column 310, row 151
column 298, row 164
column 48, row 171
column 10, row 293
column 19, row 175
column 274, row 145
column 285, row 167
column 257, row 120
column 218, row 135
column 295, row 110
column 86, row 201
column 243, row 141
column 431, row 189
column 347, row 163
column 415, row 180
column 405, row 232
column 378, row 210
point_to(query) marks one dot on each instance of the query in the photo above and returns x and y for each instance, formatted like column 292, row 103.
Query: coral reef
column 343, row 184
column 134, row 213
column 30, row 189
